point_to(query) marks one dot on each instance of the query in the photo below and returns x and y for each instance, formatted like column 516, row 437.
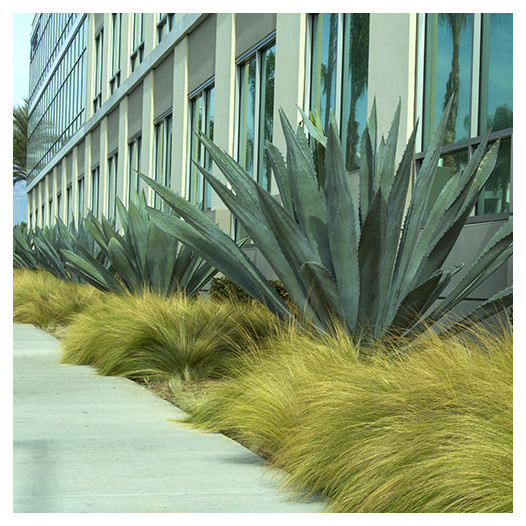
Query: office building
column 118, row 92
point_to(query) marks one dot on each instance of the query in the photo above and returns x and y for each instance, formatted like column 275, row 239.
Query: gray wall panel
column 202, row 53
column 163, row 86
column 113, row 130
column 135, row 111
column 251, row 28
column 95, row 146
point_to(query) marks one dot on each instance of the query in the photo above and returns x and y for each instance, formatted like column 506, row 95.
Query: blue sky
column 21, row 33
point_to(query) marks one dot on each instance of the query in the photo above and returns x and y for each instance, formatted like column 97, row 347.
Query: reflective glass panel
column 323, row 67
column 246, row 115
column 448, row 59
column 266, row 115
column 495, row 196
column 355, row 80
column 496, row 72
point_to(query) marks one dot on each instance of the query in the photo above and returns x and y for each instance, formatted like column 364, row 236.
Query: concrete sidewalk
column 87, row 443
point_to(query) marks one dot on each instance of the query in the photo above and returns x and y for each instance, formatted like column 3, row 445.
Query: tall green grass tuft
column 426, row 431
column 176, row 337
column 40, row 298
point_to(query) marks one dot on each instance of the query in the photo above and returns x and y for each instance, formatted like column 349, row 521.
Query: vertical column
column 46, row 196
column 125, row 45
column 392, row 69
column 147, row 131
column 54, row 192
column 106, row 56
column 75, row 185
column 64, row 190
column 122, row 162
column 150, row 32
column 103, row 165
column 180, row 117
column 87, row 175
column 289, row 83
column 225, row 100
column 90, row 47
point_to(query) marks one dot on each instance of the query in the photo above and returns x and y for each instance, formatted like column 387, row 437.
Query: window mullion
column 475, row 75
column 339, row 70
column 257, row 116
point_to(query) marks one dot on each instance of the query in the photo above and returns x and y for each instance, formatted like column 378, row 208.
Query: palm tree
column 455, row 23
column 20, row 118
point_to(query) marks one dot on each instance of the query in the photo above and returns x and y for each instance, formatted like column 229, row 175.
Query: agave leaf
column 309, row 202
column 387, row 172
column 257, row 227
column 415, row 304
column 366, row 174
column 279, row 168
column 372, row 244
column 498, row 302
column 322, row 294
column 314, row 131
column 438, row 251
column 92, row 271
column 125, row 267
column 343, row 228
column 494, row 254
column 213, row 244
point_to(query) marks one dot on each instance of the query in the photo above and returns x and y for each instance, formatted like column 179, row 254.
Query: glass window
column 68, row 205
column 496, row 72
column 59, row 204
column 80, row 210
column 449, row 50
column 495, row 197
column 95, row 176
column 469, row 57
column 163, row 155
column 201, row 119
column 165, row 23
column 256, row 109
column 134, row 162
column 97, row 95
column 255, row 117
column 50, row 212
column 115, row 51
column 137, row 45
column 112, row 186
column 339, row 76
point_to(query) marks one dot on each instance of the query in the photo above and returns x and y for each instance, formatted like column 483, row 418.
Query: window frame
column 203, row 191
column 98, row 66
column 134, row 153
column 161, row 128
column 111, row 191
column 115, row 70
column 474, row 140
column 339, row 95
column 95, row 190
column 165, row 23
column 137, row 53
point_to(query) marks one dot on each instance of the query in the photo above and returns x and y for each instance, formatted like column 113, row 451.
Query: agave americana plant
column 355, row 255
column 142, row 257
column 41, row 248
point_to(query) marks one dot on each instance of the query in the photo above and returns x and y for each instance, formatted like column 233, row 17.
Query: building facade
column 118, row 92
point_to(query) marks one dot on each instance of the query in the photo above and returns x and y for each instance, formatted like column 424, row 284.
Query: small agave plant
column 41, row 248
column 368, row 257
column 143, row 257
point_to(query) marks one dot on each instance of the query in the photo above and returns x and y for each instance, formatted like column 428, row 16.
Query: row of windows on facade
column 338, row 79
column 165, row 23
column 59, row 111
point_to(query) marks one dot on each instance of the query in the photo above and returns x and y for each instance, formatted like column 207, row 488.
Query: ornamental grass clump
column 426, row 431
column 164, row 338
column 39, row 298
